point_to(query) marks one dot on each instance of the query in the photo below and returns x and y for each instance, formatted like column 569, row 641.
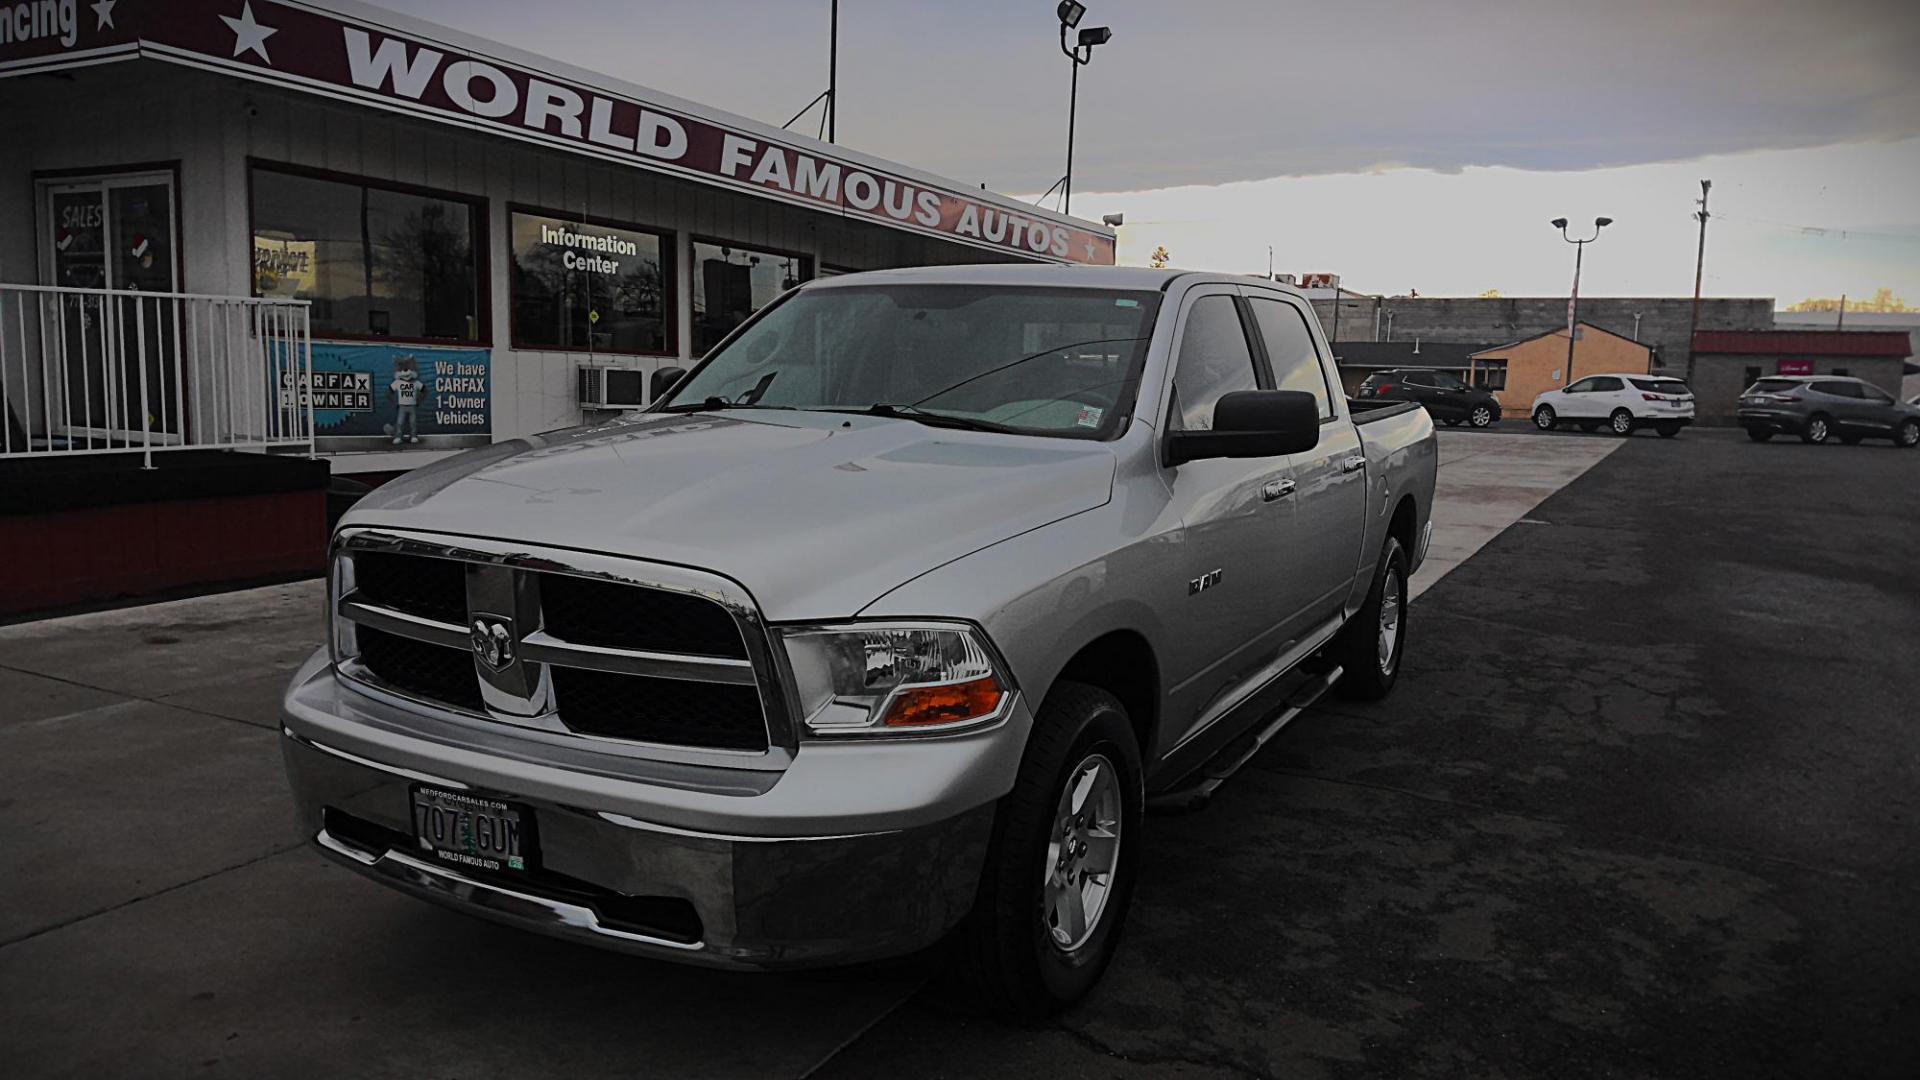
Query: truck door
column 1237, row 523
column 1330, row 502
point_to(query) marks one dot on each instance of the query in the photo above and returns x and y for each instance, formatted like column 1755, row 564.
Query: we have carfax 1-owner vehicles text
column 883, row 627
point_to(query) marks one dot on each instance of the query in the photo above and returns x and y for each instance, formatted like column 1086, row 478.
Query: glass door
column 119, row 358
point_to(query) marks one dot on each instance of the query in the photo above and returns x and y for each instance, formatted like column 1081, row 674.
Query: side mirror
column 662, row 382
column 1251, row 423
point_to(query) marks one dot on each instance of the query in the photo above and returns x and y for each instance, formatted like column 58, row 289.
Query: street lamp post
column 1573, row 299
column 1080, row 52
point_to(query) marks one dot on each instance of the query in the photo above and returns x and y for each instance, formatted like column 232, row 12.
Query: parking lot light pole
column 1081, row 52
column 1573, row 298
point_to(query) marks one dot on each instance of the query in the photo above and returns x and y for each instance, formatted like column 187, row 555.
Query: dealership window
column 1490, row 375
column 581, row 284
column 732, row 282
column 376, row 261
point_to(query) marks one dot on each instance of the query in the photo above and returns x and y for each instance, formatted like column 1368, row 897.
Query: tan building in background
column 1521, row 371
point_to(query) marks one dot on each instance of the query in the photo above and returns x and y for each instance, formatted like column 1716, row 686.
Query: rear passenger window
column 1214, row 360
column 1837, row 389
column 1290, row 351
column 1606, row 382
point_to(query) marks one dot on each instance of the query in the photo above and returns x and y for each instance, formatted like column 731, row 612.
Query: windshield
column 1042, row 360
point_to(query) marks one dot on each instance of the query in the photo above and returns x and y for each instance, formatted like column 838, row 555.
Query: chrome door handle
column 1353, row 464
column 1276, row 489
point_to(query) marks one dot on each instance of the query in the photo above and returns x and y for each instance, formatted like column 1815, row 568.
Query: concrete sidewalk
column 1489, row 480
column 163, row 919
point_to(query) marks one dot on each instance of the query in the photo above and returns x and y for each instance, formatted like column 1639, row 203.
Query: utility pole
column 833, row 73
column 1699, row 269
column 1840, row 318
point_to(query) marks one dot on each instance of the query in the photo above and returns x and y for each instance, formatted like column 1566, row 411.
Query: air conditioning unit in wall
column 603, row 387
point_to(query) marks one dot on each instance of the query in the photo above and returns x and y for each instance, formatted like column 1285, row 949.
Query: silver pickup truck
column 882, row 628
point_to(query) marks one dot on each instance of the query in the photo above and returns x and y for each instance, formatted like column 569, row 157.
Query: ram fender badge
column 1204, row 582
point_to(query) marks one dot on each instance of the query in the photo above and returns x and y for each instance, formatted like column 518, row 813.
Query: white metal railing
column 103, row 371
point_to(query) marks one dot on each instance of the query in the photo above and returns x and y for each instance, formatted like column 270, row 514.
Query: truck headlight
column 893, row 677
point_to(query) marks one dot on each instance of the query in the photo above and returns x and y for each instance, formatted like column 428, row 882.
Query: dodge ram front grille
column 558, row 642
column 430, row 588
column 421, row 668
column 588, row 612
column 648, row 709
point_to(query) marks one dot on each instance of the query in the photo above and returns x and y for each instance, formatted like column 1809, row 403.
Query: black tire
column 1759, row 434
column 1907, row 435
column 1544, row 418
column 1621, row 422
column 1819, row 426
column 1366, row 676
column 1007, row 958
column 1481, row 416
column 1666, row 431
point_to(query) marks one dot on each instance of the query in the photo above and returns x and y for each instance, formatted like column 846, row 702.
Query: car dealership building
column 471, row 226
column 246, row 244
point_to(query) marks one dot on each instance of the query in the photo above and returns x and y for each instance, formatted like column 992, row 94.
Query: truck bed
column 1367, row 410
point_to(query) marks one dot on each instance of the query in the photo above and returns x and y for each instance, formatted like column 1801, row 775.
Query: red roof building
column 1725, row 362
column 1892, row 343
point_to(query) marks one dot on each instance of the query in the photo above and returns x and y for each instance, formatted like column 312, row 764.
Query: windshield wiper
column 934, row 419
column 715, row 404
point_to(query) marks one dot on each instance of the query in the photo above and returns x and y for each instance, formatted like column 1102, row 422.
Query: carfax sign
column 372, row 397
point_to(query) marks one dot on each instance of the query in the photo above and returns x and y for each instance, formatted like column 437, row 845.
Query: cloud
column 1213, row 91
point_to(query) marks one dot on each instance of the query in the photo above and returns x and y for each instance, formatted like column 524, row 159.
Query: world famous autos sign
column 347, row 54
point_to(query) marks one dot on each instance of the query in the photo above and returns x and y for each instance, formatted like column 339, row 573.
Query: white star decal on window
column 1091, row 251
column 103, row 11
column 249, row 36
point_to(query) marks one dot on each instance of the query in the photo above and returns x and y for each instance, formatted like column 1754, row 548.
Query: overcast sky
column 1411, row 125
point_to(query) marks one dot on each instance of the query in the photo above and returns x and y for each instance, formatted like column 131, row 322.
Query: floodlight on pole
column 1081, row 53
column 1573, row 298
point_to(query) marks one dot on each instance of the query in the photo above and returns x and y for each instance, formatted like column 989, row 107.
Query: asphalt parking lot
column 1644, row 804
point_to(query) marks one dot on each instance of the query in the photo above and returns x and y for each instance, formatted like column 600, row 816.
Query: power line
column 1821, row 231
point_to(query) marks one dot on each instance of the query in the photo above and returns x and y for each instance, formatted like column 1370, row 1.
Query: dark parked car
column 1818, row 407
column 1445, row 397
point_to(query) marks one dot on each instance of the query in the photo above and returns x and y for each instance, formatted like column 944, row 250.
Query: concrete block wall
column 1663, row 320
column 1718, row 379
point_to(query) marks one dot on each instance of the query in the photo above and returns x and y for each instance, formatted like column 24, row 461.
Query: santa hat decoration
column 141, row 244
column 64, row 240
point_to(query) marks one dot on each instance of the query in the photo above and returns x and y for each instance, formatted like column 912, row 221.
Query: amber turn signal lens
column 926, row 705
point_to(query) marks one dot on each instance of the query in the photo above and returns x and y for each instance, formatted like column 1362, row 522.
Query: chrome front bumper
column 847, row 889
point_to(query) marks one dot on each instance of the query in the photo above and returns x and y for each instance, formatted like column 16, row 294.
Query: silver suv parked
column 1819, row 407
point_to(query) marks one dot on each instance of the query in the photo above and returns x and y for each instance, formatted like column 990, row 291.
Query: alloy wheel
column 1817, row 430
column 1482, row 416
column 1622, row 423
column 1910, row 433
column 1543, row 418
column 1082, row 853
column 1389, row 622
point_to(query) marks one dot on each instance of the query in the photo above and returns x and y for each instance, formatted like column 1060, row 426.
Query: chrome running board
column 1194, row 791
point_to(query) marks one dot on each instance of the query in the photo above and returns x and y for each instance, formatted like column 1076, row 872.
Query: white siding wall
column 142, row 112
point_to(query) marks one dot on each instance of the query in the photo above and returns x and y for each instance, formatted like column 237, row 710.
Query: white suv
column 1623, row 403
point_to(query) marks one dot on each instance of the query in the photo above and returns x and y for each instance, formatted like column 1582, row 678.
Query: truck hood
column 817, row 514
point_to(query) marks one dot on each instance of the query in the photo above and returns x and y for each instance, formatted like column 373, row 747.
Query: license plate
column 472, row 830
